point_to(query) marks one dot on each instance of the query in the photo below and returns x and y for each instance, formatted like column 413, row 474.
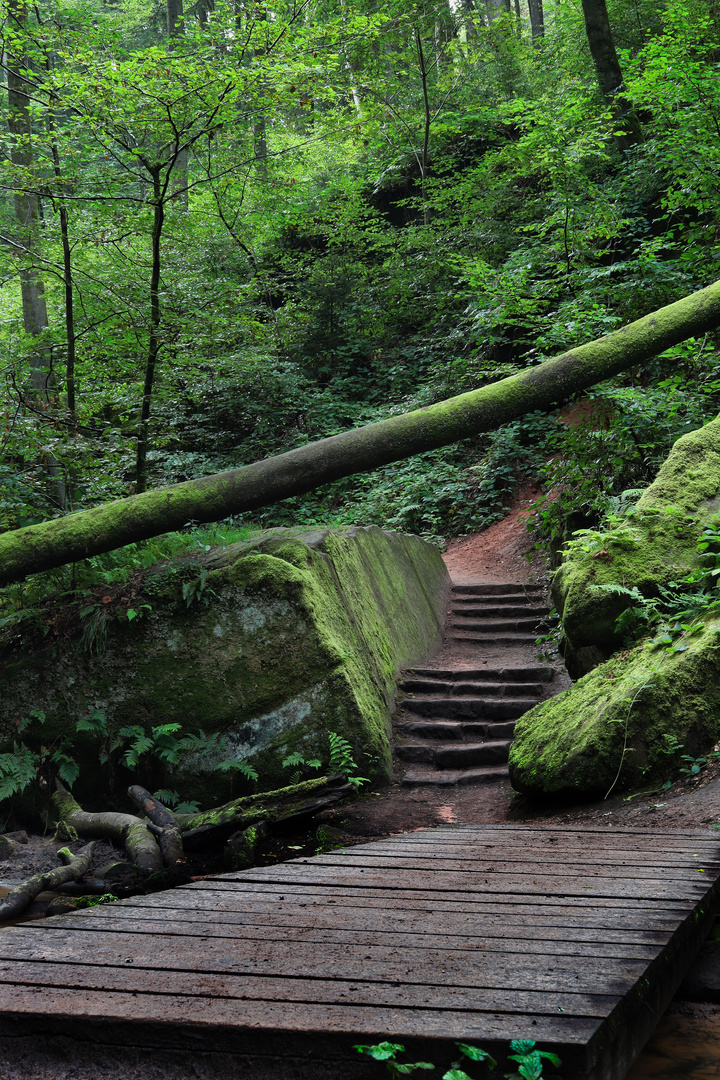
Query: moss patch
column 652, row 547
column 292, row 635
column 611, row 723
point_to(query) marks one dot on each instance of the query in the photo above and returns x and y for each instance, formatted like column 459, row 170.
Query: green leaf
column 383, row 1051
column 476, row 1054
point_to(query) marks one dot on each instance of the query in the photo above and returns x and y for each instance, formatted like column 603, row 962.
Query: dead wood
column 124, row 829
column 74, row 867
column 211, row 828
column 163, row 825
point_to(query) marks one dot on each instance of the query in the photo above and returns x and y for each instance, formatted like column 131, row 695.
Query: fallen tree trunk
column 124, row 829
column 91, row 532
column 74, row 867
column 163, row 825
column 215, row 827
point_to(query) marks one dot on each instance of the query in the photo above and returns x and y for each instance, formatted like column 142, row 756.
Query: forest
column 232, row 230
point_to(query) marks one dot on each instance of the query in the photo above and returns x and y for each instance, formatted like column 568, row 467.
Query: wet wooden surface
column 574, row 937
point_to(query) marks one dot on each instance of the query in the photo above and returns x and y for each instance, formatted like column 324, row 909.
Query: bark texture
column 126, row 830
column 163, row 825
column 74, row 867
column 91, row 532
column 609, row 72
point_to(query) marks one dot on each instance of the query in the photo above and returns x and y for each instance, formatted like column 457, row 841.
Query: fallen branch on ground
column 75, row 866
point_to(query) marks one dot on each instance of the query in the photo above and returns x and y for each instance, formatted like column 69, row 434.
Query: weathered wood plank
column 382, row 938
column 358, row 992
column 377, row 920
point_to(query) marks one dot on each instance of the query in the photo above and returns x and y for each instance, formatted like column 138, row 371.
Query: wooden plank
column 442, row 967
column 483, row 881
column 519, row 942
column 551, row 928
column 358, row 992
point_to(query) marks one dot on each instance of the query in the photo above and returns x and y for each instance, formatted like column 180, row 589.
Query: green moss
column 653, row 547
column 293, row 636
column 612, row 722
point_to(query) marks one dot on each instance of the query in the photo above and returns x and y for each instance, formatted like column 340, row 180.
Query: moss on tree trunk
column 91, row 532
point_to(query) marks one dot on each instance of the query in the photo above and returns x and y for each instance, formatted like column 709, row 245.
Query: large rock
column 609, row 729
column 651, row 547
column 285, row 638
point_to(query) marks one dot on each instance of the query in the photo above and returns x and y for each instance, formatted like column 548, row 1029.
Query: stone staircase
column 457, row 718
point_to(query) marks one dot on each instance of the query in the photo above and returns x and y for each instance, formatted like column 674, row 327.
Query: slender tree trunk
column 27, row 214
column 176, row 29
column 609, row 72
column 154, row 342
column 91, row 532
column 537, row 23
column 423, row 159
column 67, row 276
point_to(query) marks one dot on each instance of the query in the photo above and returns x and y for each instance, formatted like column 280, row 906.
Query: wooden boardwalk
column 574, row 937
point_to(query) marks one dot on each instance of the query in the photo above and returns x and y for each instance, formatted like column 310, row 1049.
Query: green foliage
column 342, row 761
column 530, row 1061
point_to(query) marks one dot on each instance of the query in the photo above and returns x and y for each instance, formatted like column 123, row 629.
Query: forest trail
column 457, row 719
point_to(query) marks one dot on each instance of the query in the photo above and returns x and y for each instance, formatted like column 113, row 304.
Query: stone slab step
column 499, row 611
column 497, row 589
column 499, row 638
column 529, row 623
column 473, row 689
column 455, row 755
column 459, row 730
column 419, row 776
column 527, row 673
column 468, row 708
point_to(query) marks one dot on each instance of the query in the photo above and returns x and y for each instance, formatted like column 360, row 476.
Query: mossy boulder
column 272, row 644
column 610, row 728
column 651, row 547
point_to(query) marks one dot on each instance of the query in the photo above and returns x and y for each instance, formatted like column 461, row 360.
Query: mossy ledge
column 654, row 546
column 610, row 728
column 296, row 633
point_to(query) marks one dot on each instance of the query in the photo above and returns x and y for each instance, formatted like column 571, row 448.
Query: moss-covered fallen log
column 91, row 532
column 74, row 867
column 210, row 828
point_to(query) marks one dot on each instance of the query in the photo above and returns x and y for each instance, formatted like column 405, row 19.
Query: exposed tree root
column 74, row 867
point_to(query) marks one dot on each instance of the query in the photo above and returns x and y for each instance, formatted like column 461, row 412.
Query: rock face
column 652, row 546
column 610, row 728
column 275, row 643
column 627, row 721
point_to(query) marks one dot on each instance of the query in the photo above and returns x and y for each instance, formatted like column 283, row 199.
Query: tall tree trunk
column 91, row 532
column 609, row 72
column 27, row 214
column 176, row 29
column 154, row 340
column 537, row 23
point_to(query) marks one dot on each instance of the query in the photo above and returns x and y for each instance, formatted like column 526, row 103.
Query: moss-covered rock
column 277, row 641
column 610, row 727
column 653, row 546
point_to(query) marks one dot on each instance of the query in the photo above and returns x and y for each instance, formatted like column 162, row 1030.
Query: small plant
column 692, row 765
column 342, row 761
column 297, row 763
column 530, row 1061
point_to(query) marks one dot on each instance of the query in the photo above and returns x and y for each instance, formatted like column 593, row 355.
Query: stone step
column 474, row 689
column 468, row 708
column 456, row 730
column 527, row 673
column 455, row 755
column 497, row 589
column 527, row 624
column 419, row 776
column 500, row 638
column 499, row 611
